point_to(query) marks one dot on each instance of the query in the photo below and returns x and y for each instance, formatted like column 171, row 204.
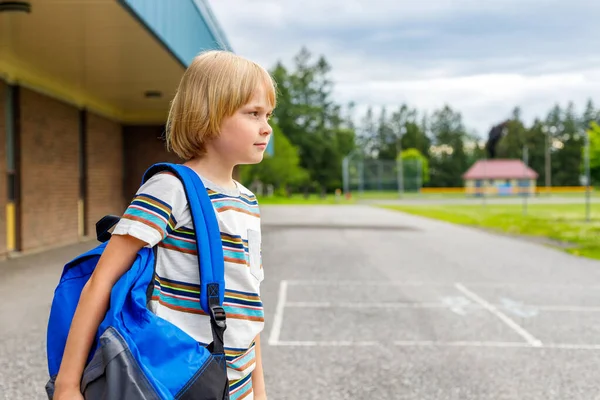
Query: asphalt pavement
column 366, row 303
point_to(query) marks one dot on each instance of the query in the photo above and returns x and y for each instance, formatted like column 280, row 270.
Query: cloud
column 483, row 99
column 481, row 57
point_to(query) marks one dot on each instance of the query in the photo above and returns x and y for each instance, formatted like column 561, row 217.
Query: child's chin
column 254, row 159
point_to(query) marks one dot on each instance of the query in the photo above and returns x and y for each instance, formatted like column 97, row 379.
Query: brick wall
column 3, row 193
column 143, row 147
column 104, row 170
column 49, row 171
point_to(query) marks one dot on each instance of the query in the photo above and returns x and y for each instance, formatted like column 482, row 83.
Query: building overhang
column 120, row 58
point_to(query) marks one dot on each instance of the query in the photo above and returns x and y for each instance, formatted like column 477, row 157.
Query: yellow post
column 11, row 227
column 80, row 217
column 11, row 105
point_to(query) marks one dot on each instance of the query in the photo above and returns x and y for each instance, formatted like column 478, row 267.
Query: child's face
column 245, row 135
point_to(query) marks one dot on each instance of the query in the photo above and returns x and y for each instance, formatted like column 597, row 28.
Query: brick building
column 84, row 93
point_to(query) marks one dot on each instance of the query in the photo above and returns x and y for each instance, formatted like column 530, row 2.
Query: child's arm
column 258, row 378
column 118, row 256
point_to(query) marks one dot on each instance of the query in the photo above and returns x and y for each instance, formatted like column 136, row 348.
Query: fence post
column 345, row 175
column 400, row 175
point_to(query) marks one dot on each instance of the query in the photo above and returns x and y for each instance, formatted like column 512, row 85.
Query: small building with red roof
column 503, row 177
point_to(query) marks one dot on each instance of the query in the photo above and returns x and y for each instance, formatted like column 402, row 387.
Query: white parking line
column 582, row 309
column 436, row 343
column 478, row 304
column 312, row 343
column 300, row 282
column 328, row 304
column 491, row 308
column 366, row 283
column 278, row 319
column 566, row 346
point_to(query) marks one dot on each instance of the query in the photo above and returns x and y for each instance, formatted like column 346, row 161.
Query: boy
column 218, row 119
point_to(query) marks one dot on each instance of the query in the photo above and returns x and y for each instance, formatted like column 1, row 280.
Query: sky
column 482, row 57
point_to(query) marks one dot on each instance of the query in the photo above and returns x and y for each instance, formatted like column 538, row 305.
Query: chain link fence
column 361, row 175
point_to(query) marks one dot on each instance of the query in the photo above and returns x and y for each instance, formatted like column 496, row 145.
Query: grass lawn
column 560, row 222
column 393, row 195
column 298, row 199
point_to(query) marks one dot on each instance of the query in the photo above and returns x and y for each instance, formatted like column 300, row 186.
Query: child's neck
column 214, row 171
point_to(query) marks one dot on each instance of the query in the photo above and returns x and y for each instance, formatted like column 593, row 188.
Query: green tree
column 554, row 126
column 590, row 114
column 311, row 119
column 511, row 145
column 415, row 136
column 415, row 168
column 404, row 128
column 387, row 138
column 283, row 170
column 474, row 149
column 536, row 144
column 366, row 138
column 568, row 155
column 449, row 160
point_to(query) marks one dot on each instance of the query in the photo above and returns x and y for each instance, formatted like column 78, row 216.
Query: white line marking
column 341, row 343
column 278, row 319
column 424, row 283
column 367, row 283
column 516, row 327
column 326, row 304
column 567, row 308
column 434, row 343
column 529, row 285
column 567, row 346
column 314, row 304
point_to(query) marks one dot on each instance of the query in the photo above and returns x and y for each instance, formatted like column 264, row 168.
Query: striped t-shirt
column 159, row 215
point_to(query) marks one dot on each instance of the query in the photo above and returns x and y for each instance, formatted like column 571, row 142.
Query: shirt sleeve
column 155, row 209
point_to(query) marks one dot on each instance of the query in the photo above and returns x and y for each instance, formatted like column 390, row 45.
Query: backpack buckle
column 218, row 315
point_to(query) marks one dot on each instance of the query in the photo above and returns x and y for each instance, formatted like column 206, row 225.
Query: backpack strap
column 104, row 225
column 208, row 242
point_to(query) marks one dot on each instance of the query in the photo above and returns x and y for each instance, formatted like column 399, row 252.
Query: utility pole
column 400, row 162
column 484, row 183
column 525, row 178
column 361, row 176
column 419, row 161
column 346, row 175
column 549, row 132
column 547, row 159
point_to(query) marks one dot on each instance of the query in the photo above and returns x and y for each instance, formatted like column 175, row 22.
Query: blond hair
column 215, row 85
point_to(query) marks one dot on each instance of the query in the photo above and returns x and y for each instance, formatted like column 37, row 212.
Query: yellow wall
column 470, row 189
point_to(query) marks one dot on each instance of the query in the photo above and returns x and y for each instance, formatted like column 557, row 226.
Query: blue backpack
column 137, row 355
